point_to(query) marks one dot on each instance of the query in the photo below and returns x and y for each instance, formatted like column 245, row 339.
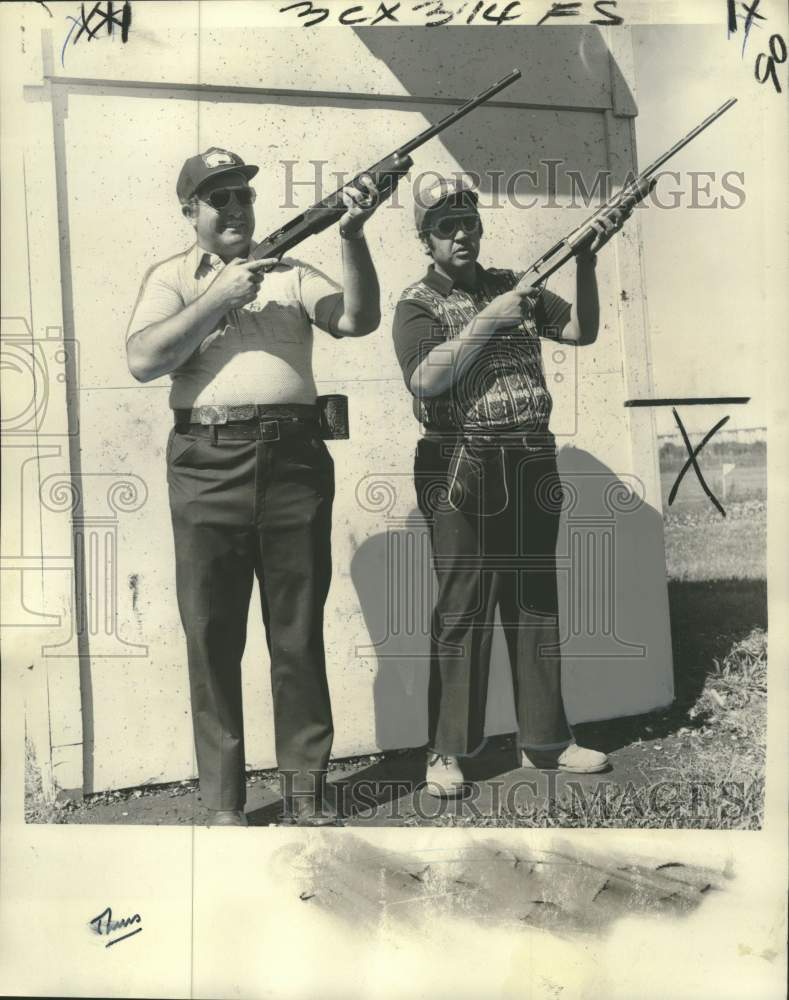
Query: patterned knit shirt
column 504, row 386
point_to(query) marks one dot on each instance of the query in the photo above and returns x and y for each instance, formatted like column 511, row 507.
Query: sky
column 705, row 268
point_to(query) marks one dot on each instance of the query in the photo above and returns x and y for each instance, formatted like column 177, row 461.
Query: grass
column 719, row 783
column 706, row 770
column 37, row 809
column 702, row 545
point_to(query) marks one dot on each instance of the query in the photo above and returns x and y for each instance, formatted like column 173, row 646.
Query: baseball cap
column 439, row 191
column 208, row 164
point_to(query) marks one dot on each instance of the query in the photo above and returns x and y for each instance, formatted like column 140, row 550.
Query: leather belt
column 212, row 415
column 253, row 422
column 260, row 430
column 529, row 440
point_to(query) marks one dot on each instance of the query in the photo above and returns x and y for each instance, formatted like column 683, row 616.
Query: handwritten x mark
column 692, row 453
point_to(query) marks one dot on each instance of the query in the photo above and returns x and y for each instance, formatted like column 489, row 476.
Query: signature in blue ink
column 100, row 16
column 104, row 926
column 749, row 16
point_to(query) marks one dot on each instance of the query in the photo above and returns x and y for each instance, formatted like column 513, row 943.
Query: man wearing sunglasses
column 467, row 339
column 250, row 479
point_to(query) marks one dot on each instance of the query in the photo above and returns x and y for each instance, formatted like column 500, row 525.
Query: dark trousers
column 493, row 513
column 244, row 507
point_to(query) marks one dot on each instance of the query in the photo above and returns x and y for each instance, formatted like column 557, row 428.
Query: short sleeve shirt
column 261, row 353
column 504, row 386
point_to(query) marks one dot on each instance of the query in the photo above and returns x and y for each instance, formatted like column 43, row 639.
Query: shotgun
column 385, row 175
column 632, row 193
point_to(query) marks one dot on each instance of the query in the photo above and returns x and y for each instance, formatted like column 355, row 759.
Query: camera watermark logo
column 60, row 528
column 32, row 369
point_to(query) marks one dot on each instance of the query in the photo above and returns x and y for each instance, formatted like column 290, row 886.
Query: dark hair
column 424, row 238
column 190, row 203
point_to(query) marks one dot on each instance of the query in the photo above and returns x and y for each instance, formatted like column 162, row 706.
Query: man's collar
column 443, row 284
column 203, row 260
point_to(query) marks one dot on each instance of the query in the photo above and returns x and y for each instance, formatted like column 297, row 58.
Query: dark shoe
column 227, row 817
column 309, row 810
column 308, row 799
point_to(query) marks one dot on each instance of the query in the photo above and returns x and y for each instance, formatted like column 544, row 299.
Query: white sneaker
column 578, row 760
column 444, row 777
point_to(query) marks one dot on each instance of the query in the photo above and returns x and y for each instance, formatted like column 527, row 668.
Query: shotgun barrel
column 385, row 175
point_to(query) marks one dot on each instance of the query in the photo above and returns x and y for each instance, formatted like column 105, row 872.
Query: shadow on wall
column 567, row 74
column 613, row 609
column 613, row 601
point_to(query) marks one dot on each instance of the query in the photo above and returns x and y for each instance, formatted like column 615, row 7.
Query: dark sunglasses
column 448, row 226
column 220, row 198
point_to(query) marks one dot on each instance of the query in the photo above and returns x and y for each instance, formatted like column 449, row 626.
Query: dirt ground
column 643, row 788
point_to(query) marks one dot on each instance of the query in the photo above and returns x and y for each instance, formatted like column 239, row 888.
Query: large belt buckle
column 264, row 425
column 213, row 415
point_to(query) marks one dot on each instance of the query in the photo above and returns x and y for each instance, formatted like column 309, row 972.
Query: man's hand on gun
column 237, row 284
column 360, row 205
column 513, row 306
column 609, row 224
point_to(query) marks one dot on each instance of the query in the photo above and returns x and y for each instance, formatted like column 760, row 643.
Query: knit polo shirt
column 260, row 353
column 504, row 387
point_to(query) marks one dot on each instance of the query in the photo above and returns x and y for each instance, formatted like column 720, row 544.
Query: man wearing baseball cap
column 468, row 341
column 250, row 479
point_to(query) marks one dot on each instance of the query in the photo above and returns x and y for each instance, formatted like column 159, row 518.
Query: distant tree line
column 752, row 453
